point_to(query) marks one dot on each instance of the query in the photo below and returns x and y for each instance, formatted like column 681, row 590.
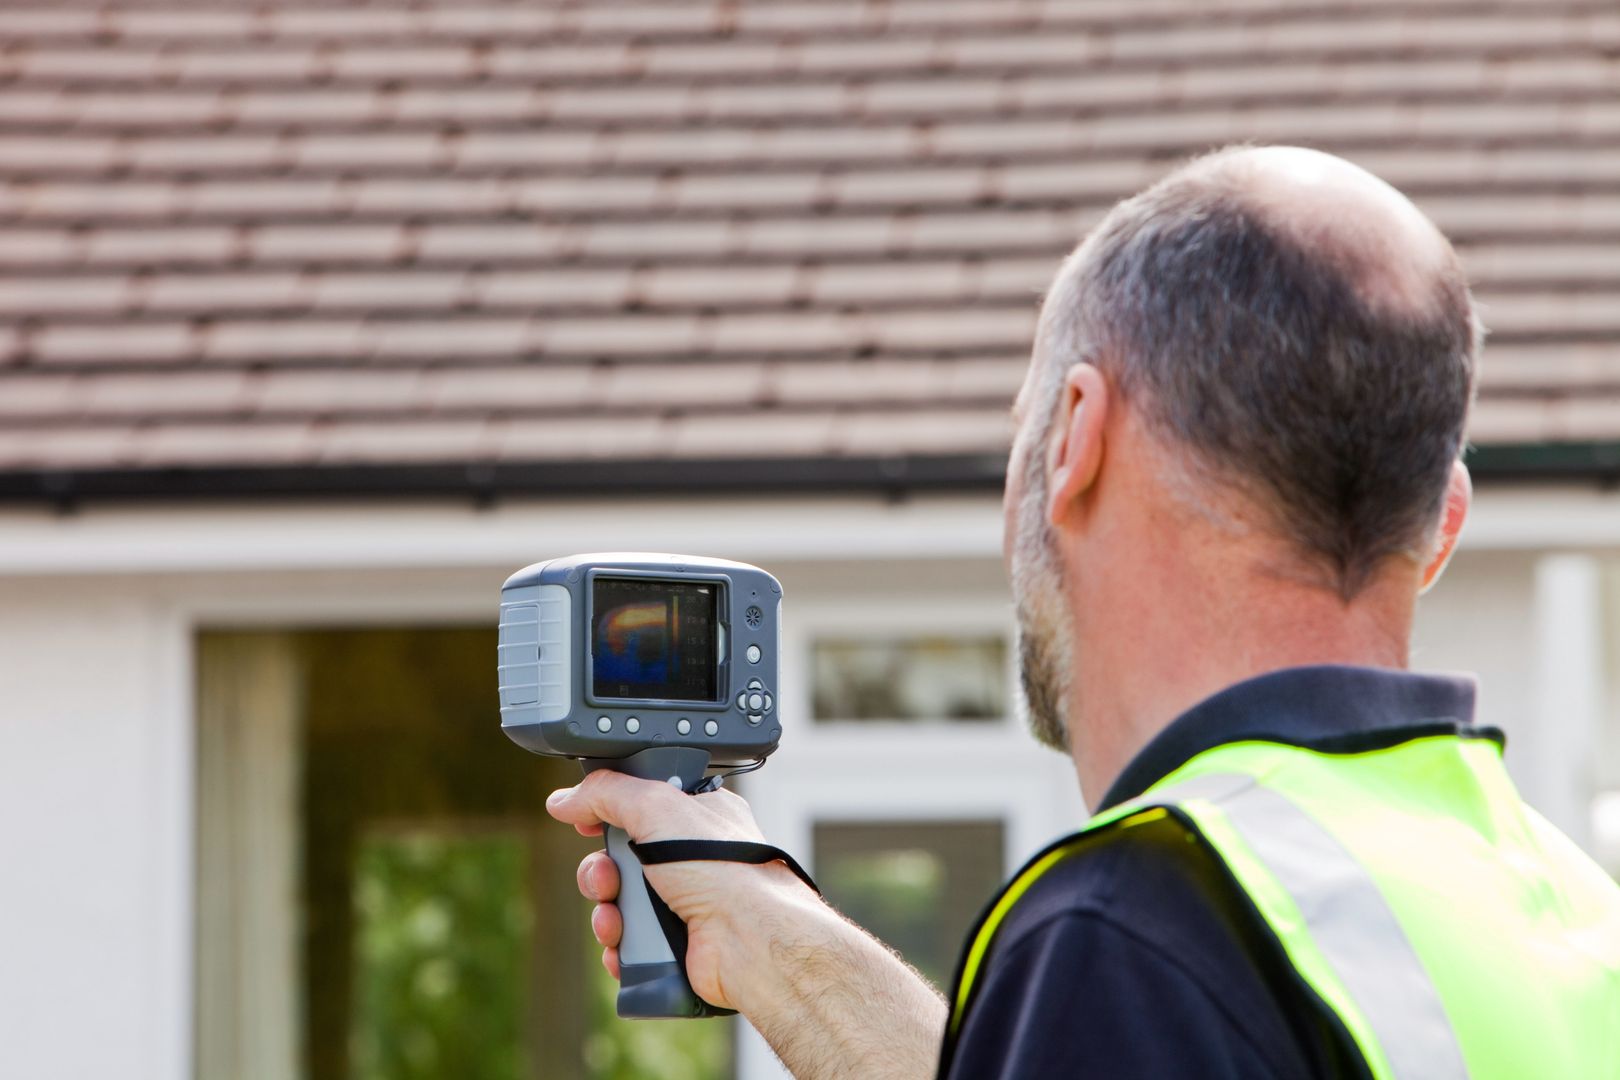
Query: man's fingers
column 607, row 924
column 612, row 798
column 610, row 960
column 598, row 878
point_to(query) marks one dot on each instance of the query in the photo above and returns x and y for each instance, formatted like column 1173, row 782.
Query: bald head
column 1295, row 328
column 1389, row 253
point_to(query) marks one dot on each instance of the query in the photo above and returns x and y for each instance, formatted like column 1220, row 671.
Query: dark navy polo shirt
column 1142, row 958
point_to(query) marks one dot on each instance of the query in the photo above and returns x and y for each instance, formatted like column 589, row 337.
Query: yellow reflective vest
column 1451, row 929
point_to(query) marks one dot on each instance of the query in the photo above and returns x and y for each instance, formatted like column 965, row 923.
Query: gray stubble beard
column 1045, row 634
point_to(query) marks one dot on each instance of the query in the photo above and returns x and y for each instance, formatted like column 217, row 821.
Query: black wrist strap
column 657, row 852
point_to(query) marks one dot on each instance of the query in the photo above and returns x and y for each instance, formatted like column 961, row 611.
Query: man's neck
column 1153, row 643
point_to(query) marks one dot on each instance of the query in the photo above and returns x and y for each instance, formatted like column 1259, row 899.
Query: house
column 316, row 320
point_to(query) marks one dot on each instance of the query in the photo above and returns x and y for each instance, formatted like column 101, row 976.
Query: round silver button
column 632, row 725
column 684, row 726
column 711, row 727
column 756, row 702
column 604, row 724
column 753, row 654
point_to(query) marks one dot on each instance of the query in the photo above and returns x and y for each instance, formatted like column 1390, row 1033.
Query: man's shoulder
column 1134, row 936
column 1150, row 914
column 1156, row 880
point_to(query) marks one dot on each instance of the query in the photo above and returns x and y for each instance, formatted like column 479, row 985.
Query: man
column 1235, row 469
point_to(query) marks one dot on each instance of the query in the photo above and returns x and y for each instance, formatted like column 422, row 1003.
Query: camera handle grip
column 652, row 952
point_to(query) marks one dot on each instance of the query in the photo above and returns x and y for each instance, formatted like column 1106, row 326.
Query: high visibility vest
column 1452, row 931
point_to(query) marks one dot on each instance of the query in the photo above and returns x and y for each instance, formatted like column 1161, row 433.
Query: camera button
column 754, row 718
column 756, row 702
column 768, row 703
column 755, row 684
column 604, row 724
column 632, row 725
column 753, row 654
column 742, row 700
column 684, row 726
column 711, row 727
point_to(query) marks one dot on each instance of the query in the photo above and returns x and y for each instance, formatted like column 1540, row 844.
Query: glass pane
column 918, row 886
column 442, row 938
column 917, row 678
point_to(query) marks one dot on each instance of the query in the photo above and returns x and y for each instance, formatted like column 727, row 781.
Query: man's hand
column 710, row 897
column 831, row 1000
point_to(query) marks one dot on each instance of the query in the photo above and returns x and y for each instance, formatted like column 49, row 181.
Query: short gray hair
column 1260, row 357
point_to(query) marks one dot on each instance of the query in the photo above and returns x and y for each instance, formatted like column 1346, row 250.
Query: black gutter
column 889, row 477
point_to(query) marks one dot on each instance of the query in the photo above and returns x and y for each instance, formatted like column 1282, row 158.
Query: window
column 909, row 678
column 916, row 885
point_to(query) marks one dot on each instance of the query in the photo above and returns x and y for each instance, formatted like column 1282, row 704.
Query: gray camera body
column 608, row 654
column 657, row 666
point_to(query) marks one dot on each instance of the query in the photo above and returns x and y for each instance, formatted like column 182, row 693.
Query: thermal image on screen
column 653, row 640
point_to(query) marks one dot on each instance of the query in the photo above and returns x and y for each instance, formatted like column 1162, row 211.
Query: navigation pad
column 755, row 701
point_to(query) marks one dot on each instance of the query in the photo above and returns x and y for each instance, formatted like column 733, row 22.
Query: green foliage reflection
column 443, row 927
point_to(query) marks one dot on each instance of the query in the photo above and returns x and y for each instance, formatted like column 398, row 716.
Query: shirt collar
column 1329, row 707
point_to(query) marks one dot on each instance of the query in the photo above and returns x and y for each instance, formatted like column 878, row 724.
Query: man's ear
column 1459, row 496
column 1075, row 454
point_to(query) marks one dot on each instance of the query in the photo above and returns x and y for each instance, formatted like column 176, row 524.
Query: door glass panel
column 443, row 928
column 918, row 886
column 909, row 678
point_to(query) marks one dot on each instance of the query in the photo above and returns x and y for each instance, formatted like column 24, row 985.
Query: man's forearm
column 832, row 1001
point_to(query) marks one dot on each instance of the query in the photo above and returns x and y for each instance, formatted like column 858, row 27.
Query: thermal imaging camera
column 661, row 666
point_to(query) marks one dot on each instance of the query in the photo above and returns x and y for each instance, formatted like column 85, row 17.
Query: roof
column 478, row 244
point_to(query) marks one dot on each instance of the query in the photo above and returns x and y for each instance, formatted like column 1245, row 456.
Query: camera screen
column 654, row 639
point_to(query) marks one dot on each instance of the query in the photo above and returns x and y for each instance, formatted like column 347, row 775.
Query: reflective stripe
column 1348, row 918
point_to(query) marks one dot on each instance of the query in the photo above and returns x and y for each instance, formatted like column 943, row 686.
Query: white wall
column 95, row 840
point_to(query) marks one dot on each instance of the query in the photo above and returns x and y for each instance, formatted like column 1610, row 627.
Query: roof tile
column 193, row 244
column 100, row 447
column 255, row 341
column 557, row 287
column 29, row 296
column 641, row 335
column 727, row 388
column 411, row 440
column 517, row 388
column 753, row 435
column 31, row 394
column 330, row 243
column 879, row 282
column 285, row 63
column 222, row 444
column 115, row 344
column 976, row 327
column 519, row 240
column 718, row 286
column 319, row 392
column 581, row 438
column 452, row 339
column 927, row 431
column 419, row 290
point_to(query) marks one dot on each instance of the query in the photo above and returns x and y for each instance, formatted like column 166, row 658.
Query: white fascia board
column 1544, row 516
column 371, row 535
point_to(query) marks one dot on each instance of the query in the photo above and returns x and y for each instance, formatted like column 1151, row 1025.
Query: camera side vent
column 533, row 665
